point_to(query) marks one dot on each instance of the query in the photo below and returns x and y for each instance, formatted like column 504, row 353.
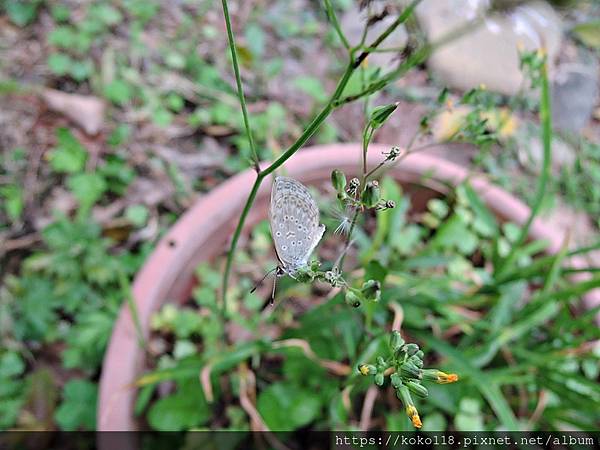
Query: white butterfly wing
column 294, row 218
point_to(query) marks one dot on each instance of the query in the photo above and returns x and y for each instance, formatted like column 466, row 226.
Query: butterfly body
column 295, row 228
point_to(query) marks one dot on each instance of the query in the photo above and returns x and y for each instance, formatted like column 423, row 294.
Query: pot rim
column 201, row 233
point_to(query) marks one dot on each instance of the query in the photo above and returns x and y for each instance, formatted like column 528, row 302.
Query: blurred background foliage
column 115, row 115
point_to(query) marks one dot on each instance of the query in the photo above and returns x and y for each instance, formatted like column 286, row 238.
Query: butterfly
column 295, row 228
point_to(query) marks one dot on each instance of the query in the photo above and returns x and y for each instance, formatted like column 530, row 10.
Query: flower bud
column 353, row 186
column 420, row 354
column 352, row 299
column 379, row 379
column 338, row 179
column 413, row 415
column 371, row 290
column 396, row 341
column 380, row 114
column 371, row 194
column 418, row 389
column 416, row 361
column 439, row 377
column 382, row 205
column 411, row 349
column 404, row 395
column 367, row 369
column 396, row 380
column 409, row 370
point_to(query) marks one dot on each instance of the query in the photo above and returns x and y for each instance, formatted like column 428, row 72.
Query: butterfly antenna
column 273, row 291
column 262, row 279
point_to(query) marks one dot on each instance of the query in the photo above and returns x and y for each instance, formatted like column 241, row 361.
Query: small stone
column 574, row 96
column 531, row 151
column 489, row 54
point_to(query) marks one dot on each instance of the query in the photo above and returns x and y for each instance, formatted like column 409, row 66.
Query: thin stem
column 234, row 240
column 363, row 36
column 389, row 30
column 309, row 131
column 238, row 81
column 546, row 119
column 336, row 25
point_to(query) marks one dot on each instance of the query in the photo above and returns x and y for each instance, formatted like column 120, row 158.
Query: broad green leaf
column 78, row 408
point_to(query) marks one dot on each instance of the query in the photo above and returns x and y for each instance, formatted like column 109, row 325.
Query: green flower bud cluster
column 352, row 194
column 404, row 366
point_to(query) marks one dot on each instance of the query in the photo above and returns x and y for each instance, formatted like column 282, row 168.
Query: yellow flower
column 413, row 414
column 446, row 378
column 364, row 369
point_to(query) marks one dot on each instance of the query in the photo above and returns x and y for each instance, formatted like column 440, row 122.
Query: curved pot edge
column 209, row 222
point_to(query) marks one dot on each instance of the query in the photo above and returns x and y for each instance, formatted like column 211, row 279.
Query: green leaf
column 59, row 63
column 87, row 188
column 485, row 222
column 106, row 13
column 287, row 406
column 64, row 37
column 311, row 86
column 185, row 409
column 81, row 70
column 69, row 156
column 255, row 38
column 13, row 201
column 375, row 271
column 137, row 214
column 22, row 12
column 118, row 92
column 78, row 409
column 11, row 365
column 381, row 114
column 469, row 417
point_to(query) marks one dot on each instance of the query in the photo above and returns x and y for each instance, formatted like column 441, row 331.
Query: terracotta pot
column 203, row 232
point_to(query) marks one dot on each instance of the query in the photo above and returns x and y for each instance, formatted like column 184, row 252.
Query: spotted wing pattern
column 295, row 228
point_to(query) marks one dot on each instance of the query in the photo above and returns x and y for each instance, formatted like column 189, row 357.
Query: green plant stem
column 333, row 102
column 336, row 25
column 406, row 13
column 238, row 81
column 546, row 120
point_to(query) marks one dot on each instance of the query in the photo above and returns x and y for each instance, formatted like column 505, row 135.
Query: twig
column 539, row 409
column 247, row 383
column 398, row 316
column 238, row 81
column 333, row 366
column 367, row 409
column 206, row 384
column 336, row 25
